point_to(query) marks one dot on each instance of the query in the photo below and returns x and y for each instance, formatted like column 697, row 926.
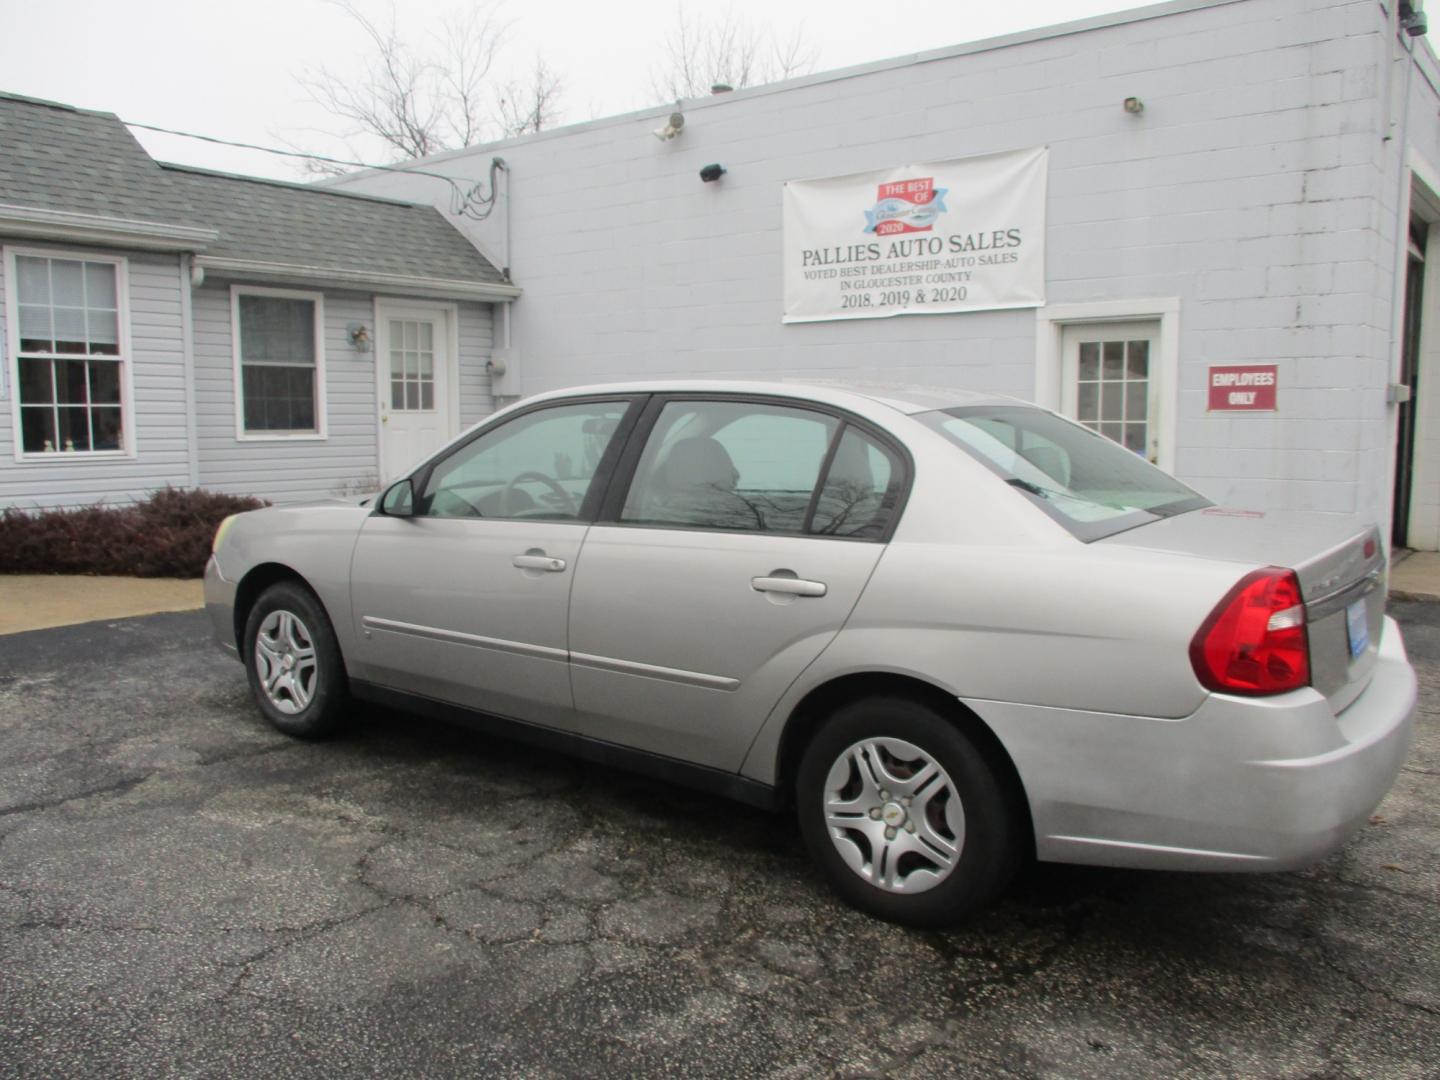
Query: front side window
column 280, row 360
column 69, row 363
column 539, row 465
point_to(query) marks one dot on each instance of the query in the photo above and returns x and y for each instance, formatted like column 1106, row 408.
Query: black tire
column 326, row 693
column 991, row 849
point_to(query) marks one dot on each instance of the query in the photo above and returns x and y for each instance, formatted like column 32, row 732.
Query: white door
column 1110, row 382
column 414, row 369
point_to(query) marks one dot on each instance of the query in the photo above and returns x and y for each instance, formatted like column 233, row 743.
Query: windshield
column 1089, row 484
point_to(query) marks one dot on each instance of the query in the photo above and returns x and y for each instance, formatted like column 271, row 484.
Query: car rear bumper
column 1241, row 784
column 220, row 606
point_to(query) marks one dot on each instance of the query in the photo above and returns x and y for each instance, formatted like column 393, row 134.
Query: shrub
column 166, row 535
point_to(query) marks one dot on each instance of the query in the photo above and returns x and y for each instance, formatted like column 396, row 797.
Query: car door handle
column 790, row 585
column 537, row 562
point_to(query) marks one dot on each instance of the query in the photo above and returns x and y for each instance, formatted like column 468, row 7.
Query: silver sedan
column 951, row 631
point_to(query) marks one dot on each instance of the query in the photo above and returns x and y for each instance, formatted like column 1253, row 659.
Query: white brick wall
column 1255, row 187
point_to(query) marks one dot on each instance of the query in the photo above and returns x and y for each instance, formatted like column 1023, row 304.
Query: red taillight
column 1254, row 642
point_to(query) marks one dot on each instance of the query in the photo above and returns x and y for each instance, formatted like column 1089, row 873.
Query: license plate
column 1357, row 622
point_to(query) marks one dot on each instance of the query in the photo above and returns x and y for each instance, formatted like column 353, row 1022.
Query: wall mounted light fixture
column 359, row 336
column 672, row 127
column 1134, row 106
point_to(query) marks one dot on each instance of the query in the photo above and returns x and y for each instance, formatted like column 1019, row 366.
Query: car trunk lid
column 1339, row 562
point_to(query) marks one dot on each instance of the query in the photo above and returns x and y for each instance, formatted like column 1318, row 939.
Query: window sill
column 59, row 457
column 299, row 436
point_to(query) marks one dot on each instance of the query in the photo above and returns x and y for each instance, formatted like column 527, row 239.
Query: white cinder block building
column 1248, row 185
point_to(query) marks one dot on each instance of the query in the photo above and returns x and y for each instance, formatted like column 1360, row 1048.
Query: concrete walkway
column 40, row 601
column 1415, row 575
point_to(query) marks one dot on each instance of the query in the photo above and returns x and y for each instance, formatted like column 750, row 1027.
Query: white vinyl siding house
column 153, row 380
column 346, row 459
column 185, row 328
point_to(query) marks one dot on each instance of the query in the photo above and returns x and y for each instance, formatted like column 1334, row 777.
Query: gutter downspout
column 1402, row 202
column 187, row 360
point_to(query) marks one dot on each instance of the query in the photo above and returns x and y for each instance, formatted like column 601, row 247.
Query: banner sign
column 963, row 235
column 1243, row 388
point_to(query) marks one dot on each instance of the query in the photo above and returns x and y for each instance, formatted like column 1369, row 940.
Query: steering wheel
column 507, row 496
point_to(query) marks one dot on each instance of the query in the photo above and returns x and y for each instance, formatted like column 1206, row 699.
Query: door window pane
column 1111, row 397
column 860, row 489
column 730, row 465
column 1137, row 359
column 1112, row 390
column 1137, row 400
column 537, row 466
column 412, row 365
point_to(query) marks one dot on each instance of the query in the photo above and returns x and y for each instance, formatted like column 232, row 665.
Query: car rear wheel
column 910, row 818
column 293, row 662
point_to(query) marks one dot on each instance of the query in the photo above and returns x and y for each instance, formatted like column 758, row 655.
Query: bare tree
column 419, row 99
column 530, row 104
column 701, row 53
column 471, row 43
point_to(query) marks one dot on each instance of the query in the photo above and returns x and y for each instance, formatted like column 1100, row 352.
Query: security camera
column 672, row 127
column 711, row 173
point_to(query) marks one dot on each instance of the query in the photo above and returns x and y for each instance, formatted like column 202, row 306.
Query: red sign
column 905, row 206
column 915, row 191
column 1243, row 388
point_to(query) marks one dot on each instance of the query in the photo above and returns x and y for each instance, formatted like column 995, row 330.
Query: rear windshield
column 1090, row 485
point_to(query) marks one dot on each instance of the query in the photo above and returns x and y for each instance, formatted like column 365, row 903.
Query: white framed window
column 279, row 343
column 1113, row 366
column 68, row 339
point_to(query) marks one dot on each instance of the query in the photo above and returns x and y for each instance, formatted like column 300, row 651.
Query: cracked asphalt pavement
column 185, row 892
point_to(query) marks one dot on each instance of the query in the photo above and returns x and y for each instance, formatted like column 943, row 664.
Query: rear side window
column 861, row 489
column 730, row 465
column 753, row 467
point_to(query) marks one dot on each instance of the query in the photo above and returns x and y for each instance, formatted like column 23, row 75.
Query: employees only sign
column 962, row 235
column 1243, row 388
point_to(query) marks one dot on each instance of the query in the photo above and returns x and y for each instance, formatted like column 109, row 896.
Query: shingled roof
column 273, row 221
column 58, row 158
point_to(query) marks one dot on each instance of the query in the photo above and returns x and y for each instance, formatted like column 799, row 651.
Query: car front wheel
column 910, row 818
column 293, row 662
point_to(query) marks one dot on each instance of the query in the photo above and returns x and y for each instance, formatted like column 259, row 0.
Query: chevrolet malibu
column 951, row 631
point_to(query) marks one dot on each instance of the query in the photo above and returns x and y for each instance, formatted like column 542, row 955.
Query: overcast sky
column 230, row 70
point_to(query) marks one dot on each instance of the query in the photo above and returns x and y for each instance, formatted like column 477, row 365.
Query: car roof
column 904, row 398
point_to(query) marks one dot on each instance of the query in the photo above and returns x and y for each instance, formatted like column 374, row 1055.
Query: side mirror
column 399, row 499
